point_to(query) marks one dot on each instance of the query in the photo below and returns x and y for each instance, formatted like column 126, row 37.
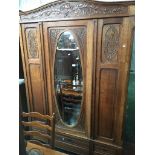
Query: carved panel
column 54, row 34
column 110, row 43
column 107, row 97
column 32, row 44
column 80, row 33
column 71, row 9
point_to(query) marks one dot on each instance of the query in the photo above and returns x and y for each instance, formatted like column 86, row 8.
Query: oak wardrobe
column 76, row 58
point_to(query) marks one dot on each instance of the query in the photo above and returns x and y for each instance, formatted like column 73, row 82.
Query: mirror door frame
column 84, row 126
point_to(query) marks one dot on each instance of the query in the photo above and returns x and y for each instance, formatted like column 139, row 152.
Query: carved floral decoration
column 32, row 43
column 63, row 9
column 111, row 43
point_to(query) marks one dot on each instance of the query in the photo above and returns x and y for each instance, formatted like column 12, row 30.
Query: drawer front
column 72, row 148
column 104, row 150
column 71, row 144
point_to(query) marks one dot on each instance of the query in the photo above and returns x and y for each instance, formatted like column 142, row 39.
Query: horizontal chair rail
column 37, row 124
column 39, row 143
column 37, row 115
column 36, row 133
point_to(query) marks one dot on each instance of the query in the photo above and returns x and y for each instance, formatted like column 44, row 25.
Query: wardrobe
column 76, row 58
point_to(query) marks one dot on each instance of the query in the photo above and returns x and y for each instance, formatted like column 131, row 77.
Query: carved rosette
column 80, row 34
column 111, row 43
column 32, row 43
column 71, row 9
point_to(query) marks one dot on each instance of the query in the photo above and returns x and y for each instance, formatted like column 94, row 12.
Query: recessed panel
column 107, row 95
column 37, row 88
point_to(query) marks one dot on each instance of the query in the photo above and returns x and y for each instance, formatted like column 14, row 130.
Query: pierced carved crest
column 71, row 9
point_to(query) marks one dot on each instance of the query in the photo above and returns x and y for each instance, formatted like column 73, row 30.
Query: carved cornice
column 73, row 9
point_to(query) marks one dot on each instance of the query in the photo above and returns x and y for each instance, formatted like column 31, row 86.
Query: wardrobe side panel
column 32, row 56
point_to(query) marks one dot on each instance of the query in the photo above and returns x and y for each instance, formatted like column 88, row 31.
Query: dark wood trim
column 70, row 10
column 90, row 1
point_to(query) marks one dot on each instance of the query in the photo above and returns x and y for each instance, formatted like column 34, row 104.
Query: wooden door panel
column 33, row 66
column 112, row 62
column 83, row 31
column 107, row 74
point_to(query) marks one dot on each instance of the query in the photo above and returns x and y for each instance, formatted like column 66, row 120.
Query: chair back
column 39, row 128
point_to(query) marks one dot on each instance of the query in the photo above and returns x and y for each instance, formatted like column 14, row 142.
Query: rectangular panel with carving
column 110, row 43
column 32, row 43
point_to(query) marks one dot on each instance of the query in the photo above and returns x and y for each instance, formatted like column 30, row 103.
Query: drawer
column 71, row 148
column 74, row 141
column 100, row 149
column 71, row 144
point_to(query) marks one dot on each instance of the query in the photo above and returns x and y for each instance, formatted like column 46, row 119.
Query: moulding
column 74, row 9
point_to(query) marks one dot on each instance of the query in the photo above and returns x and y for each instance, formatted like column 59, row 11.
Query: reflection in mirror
column 68, row 78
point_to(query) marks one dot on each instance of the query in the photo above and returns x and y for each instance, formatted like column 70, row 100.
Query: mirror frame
column 53, row 72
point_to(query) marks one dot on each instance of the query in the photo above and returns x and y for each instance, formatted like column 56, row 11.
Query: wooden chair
column 41, row 132
column 40, row 126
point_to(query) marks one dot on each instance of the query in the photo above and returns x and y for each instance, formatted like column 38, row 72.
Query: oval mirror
column 68, row 78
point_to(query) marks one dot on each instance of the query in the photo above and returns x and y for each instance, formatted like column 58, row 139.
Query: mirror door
column 69, row 51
